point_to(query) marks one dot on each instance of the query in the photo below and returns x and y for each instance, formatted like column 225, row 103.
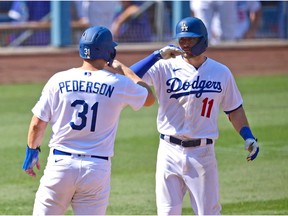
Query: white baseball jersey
column 191, row 98
column 83, row 108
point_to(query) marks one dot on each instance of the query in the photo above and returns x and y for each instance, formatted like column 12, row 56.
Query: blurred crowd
column 228, row 20
column 130, row 22
column 125, row 18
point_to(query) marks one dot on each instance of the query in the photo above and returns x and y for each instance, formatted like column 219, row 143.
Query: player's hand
column 31, row 159
column 252, row 146
column 116, row 67
column 170, row 51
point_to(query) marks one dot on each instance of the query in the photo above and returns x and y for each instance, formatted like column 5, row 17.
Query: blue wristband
column 246, row 133
column 31, row 158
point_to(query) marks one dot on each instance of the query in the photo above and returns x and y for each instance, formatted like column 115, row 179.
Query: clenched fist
column 170, row 51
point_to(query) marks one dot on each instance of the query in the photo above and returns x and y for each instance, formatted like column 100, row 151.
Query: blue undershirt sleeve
column 142, row 66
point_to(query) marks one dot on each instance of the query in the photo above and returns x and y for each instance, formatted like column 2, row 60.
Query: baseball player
column 83, row 106
column 220, row 18
column 191, row 89
column 248, row 18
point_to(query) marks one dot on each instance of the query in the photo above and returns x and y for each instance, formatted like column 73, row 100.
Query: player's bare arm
column 130, row 9
column 240, row 123
column 238, row 119
column 124, row 70
column 36, row 132
column 35, row 137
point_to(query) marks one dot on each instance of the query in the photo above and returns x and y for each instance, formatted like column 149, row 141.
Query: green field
column 256, row 188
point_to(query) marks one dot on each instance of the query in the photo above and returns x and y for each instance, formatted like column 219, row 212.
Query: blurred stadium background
column 55, row 23
column 32, row 51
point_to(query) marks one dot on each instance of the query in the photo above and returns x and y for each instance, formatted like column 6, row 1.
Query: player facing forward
column 191, row 89
column 83, row 106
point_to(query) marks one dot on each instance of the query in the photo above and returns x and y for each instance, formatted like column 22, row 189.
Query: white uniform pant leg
column 93, row 189
column 56, row 187
column 170, row 187
column 201, row 178
column 179, row 169
column 82, row 182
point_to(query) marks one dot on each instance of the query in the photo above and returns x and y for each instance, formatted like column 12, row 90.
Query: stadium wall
column 37, row 64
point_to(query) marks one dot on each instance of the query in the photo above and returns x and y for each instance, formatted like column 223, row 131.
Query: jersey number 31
column 83, row 115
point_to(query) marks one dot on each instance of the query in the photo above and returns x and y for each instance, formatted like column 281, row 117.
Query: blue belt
column 186, row 143
column 58, row 152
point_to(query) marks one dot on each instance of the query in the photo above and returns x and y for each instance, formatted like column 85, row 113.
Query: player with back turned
column 83, row 107
column 191, row 89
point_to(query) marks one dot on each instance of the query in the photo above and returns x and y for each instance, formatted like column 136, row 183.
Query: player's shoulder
column 119, row 80
column 218, row 67
column 64, row 72
column 61, row 75
column 216, row 64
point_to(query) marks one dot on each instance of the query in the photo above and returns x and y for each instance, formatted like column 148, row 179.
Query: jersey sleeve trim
column 42, row 118
column 228, row 112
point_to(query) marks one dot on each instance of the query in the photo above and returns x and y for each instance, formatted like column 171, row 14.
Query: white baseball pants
column 81, row 181
column 192, row 169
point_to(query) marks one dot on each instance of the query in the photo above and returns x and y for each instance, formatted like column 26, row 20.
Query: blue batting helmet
column 97, row 43
column 193, row 27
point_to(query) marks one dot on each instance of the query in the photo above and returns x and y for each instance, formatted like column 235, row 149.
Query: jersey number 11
column 206, row 110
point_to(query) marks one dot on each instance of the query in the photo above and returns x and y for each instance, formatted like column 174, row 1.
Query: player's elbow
column 150, row 100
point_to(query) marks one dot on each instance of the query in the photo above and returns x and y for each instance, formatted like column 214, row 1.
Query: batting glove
column 31, row 158
column 252, row 146
column 170, row 51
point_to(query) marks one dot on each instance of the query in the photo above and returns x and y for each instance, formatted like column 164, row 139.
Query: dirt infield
column 35, row 66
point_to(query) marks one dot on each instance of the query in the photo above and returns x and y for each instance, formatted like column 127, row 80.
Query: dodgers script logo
column 197, row 87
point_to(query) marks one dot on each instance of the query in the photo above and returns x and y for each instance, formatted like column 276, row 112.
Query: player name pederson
column 87, row 87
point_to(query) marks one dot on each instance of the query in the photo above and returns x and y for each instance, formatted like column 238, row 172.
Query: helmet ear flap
column 112, row 57
column 200, row 47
